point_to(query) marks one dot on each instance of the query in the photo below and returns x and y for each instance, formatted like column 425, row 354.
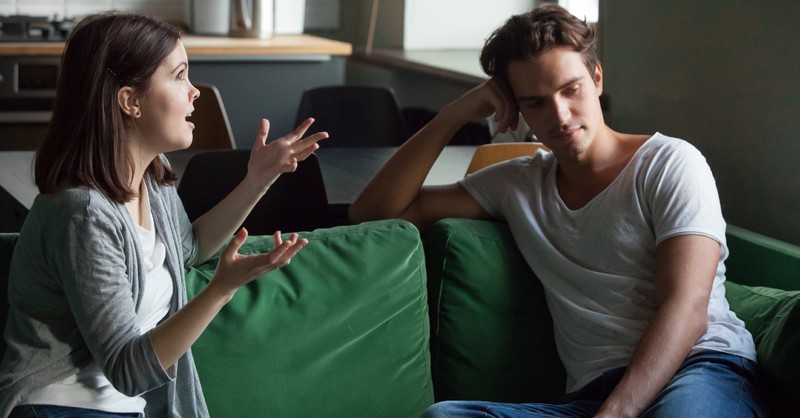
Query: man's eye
column 533, row 103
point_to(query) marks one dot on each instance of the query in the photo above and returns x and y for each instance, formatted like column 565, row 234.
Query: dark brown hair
column 529, row 35
column 85, row 141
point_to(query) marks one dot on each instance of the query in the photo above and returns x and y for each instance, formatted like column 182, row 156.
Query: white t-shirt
column 88, row 387
column 597, row 263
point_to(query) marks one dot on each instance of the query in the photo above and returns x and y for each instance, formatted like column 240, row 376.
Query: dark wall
column 722, row 74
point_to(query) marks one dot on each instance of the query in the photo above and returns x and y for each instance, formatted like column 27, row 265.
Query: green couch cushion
column 492, row 335
column 340, row 332
column 773, row 317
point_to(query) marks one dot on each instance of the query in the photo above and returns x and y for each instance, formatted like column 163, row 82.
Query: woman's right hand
column 234, row 270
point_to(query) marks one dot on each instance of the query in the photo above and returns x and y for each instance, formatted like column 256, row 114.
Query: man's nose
column 561, row 110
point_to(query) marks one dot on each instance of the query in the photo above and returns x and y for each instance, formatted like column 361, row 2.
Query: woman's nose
column 195, row 93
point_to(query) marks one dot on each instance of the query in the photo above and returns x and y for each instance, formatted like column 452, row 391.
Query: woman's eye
column 181, row 76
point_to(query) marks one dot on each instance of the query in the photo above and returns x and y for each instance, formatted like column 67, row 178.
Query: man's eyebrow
column 562, row 86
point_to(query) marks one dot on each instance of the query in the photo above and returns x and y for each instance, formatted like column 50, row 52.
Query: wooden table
column 345, row 171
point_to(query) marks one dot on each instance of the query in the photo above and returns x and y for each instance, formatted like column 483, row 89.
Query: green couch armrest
column 492, row 335
column 758, row 260
column 340, row 332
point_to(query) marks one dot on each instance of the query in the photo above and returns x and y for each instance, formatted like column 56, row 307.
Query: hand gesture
column 490, row 97
column 269, row 160
column 235, row 270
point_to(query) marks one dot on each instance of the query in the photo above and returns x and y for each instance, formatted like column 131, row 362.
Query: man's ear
column 128, row 102
column 598, row 77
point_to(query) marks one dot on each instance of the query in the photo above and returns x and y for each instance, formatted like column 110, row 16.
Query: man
column 624, row 231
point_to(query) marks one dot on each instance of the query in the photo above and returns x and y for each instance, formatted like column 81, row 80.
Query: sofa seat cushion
column 342, row 331
column 492, row 334
column 773, row 317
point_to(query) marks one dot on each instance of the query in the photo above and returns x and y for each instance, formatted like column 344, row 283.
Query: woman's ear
column 128, row 102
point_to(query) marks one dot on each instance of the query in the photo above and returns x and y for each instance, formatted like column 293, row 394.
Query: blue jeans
column 706, row 385
column 54, row 411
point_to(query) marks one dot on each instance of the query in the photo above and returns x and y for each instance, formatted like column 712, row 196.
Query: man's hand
column 490, row 97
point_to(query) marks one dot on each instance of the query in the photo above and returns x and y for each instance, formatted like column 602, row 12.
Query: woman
column 99, row 324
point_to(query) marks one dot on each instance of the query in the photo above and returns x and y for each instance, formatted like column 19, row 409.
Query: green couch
column 488, row 315
column 344, row 330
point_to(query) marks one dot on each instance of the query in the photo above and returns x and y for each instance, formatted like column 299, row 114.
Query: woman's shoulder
column 79, row 198
column 74, row 203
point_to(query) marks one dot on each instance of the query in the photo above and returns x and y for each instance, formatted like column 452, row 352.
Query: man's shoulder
column 663, row 146
column 659, row 139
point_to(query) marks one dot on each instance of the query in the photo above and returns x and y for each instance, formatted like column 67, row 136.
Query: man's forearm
column 398, row 182
column 663, row 347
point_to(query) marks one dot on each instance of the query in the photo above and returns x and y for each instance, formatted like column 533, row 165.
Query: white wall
column 456, row 24
column 171, row 9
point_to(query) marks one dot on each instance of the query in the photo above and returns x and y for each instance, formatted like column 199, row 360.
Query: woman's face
column 166, row 104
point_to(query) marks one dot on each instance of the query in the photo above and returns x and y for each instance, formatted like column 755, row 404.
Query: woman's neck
column 135, row 206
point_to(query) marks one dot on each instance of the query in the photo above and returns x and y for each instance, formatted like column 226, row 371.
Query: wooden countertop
column 214, row 46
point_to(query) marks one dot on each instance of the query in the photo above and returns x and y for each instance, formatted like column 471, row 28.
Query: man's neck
column 583, row 177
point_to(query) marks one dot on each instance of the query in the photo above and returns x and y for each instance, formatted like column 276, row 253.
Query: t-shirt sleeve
column 489, row 186
column 683, row 194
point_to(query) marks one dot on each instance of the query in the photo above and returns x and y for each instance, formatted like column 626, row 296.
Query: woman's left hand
column 235, row 270
column 269, row 160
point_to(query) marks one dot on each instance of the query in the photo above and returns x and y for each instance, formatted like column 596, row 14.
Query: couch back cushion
column 492, row 334
column 340, row 332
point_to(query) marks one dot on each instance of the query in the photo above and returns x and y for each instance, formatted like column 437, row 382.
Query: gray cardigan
column 74, row 287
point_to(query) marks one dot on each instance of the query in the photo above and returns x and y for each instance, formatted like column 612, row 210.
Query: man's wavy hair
column 531, row 34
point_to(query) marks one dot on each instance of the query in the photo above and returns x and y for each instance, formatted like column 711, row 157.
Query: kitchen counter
column 210, row 46
column 257, row 78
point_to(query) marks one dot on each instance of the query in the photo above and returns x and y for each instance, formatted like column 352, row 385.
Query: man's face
column 559, row 100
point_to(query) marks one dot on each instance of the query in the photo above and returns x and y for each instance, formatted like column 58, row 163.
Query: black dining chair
column 12, row 212
column 295, row 202
column 212, row 130
column 354, row 115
